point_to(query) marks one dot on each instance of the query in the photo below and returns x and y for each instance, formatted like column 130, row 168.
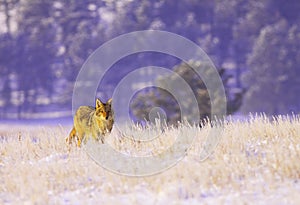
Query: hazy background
column 43, row 45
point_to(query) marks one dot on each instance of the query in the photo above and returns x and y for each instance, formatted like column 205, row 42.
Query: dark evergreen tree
column 150, row 98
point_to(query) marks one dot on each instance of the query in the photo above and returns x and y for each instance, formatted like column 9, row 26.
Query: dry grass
column 257, row 161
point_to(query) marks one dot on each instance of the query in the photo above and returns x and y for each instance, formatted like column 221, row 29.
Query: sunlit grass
column 257, row 159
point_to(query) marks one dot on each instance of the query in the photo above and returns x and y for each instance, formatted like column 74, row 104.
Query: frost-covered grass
column 256, row 161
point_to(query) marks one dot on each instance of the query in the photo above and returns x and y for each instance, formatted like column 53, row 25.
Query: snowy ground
column 256, row 162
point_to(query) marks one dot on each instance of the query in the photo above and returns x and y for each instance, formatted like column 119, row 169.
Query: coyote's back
column 92, row 121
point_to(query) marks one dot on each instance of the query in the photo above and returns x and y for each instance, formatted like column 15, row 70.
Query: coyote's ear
column 109, row 101
column 98, row 103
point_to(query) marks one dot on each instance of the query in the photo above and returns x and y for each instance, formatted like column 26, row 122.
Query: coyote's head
column 103, row 109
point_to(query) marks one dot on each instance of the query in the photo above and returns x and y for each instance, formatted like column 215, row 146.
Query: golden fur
column 92, row 121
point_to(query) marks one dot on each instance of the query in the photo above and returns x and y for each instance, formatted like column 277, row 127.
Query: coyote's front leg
column 71, row 136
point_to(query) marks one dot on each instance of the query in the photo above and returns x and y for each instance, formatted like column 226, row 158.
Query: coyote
column 92, row 121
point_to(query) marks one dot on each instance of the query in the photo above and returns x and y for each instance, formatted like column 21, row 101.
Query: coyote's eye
column 101, row 113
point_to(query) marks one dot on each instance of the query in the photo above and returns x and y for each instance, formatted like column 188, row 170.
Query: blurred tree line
column 44, row 44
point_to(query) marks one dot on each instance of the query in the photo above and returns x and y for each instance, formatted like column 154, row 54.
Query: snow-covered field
column 256, row 162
